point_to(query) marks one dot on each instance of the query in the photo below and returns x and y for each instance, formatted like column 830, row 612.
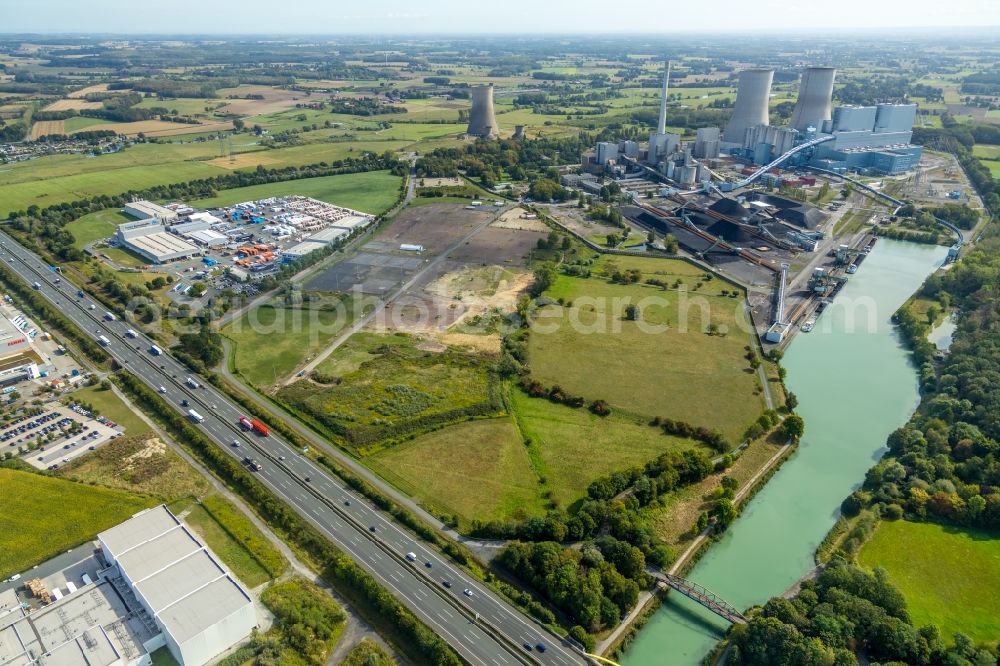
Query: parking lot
column 73, row 431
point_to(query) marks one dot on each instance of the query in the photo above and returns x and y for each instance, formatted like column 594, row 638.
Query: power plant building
column 706, row 143
column 766, row 142
column 753, row 94
column 814, row 105
column 871, row 138
column 607, row 151
column 482, row 119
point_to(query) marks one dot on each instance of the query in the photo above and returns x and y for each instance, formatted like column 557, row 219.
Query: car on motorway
column 446, row 583
column 347, row 502
column 540, row 647
column 467, row 592
column 236, row 442
column 308, row 479
column 428, row 564
column 163, row 389
column 371, row 528
column 411, row 557
column 93, row 307
column 527, row 646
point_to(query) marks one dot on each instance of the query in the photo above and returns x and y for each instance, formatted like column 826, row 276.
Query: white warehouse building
column 200, row 608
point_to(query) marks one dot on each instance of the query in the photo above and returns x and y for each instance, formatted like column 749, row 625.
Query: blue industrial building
column 866, row 139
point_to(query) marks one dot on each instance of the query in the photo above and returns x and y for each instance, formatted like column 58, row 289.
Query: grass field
column 478, row 469
column 272, row 341
column 684, row 373
column 947, row 574
column 371, row 192
column 399, row 388
column 239, row 560
column 111, row 406
column 95, row 226
column 572, row 447
column 42, row 516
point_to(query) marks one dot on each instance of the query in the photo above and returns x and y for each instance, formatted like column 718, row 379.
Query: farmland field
column 478, row 469
column 685, row 373
column 42, row 516
column 370, row 192
column 945, row 573
column 270, row 342
column 46, row 127
column 986, row 151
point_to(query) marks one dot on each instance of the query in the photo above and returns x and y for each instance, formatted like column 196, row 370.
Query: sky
column 222, row 17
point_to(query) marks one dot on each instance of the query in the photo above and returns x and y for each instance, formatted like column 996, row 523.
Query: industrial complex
column 256, row 235
column 868, row 140
column 149, row 583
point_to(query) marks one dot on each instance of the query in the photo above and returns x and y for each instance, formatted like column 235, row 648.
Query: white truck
column 195, row 416
column 192, row 383
column 103, row 340
column 155, row 351
column 131, row 334
column 109, row 316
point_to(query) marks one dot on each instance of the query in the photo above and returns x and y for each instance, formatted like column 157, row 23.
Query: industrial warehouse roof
column 151, row 209
column 138, row 529
column 161, row 244
column 181, row 581
column 204, row 608
column 303, row 248
column 207, row 237
column 351, row 222
column 328, row 235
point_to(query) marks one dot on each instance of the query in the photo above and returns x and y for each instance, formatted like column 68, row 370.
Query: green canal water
column 855, row 384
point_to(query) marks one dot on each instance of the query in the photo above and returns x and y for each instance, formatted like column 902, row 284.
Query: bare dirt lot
column 518, row 218
column 576, row 220
column 439, row 182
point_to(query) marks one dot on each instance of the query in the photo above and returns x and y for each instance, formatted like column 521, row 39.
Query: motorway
column 480, row 626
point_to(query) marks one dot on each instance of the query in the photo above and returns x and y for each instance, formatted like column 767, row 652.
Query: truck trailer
column 195, row 416
column 103, row 340
column 259, row 428
column 155, row 351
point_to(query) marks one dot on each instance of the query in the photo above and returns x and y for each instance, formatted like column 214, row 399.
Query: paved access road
column 480, row 626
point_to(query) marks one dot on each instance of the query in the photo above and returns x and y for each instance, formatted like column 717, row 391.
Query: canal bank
column 855, row 384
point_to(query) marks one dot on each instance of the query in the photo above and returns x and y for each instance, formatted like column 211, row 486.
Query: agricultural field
column 42, row 516
column 684, row 371
column 945, row 573
column 473, row 470
column 45, row 127
column 272, row 341
column 399, row 390
column 370, row 192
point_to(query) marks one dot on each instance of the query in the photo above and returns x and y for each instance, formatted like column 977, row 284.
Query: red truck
column 245, row 423
column 259, row 428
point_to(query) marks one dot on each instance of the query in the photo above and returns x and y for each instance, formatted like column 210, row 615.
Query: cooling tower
column 750, row 109
column 482, row 122
column 815, row 98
